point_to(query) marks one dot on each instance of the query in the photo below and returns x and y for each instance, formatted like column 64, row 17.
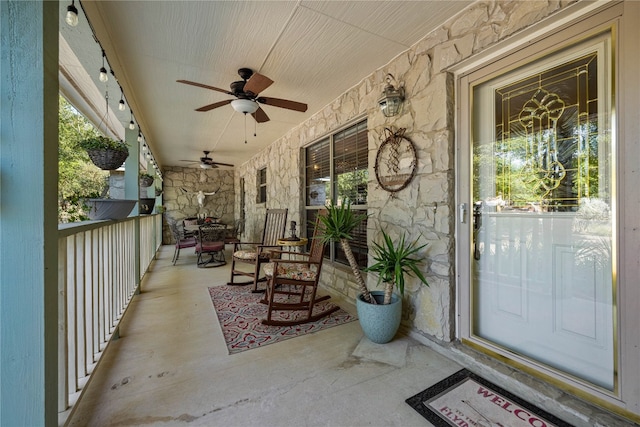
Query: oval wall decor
column 396, row 161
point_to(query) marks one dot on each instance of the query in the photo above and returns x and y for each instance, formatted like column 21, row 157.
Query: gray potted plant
column 379, row 316
column 393, row 262
column 98, row 206
column 105, row 153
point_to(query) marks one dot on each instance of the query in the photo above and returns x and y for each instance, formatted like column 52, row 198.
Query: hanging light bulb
column 132, row 125
column 103, row 71
column 103, row 75
column 144, row 147
column 121, row 105
column 72, row 14
column 139, row 137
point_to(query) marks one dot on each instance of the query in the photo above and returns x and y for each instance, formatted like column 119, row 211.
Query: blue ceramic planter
column 379, row 322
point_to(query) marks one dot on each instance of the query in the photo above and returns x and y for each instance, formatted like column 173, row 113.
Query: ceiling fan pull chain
column 245, row 128
column 255, row 128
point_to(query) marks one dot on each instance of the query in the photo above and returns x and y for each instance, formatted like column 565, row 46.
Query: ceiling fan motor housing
column 238, row 88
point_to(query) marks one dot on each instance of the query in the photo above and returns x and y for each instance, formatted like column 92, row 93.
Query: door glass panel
column 542, row 259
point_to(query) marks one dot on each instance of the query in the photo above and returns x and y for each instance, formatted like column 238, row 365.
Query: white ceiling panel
column 312, row 50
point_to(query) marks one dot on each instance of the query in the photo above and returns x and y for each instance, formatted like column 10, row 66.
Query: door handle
column 462, row 212
column 477, row 223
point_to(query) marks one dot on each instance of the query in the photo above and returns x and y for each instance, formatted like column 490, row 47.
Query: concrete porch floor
column 171, row 367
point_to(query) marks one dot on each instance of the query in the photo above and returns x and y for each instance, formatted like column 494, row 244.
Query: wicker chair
column 258, row 253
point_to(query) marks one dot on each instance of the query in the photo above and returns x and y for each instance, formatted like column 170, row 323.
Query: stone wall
column 426, row 206
column 180, row 188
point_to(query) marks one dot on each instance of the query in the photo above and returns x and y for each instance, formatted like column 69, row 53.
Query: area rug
column 240, row 314
column 465, row 399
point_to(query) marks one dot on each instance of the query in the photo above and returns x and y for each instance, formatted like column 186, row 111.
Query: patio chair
column 293, row 284
column 191, row 222
column 258, row 253
column 182, row 241
column 210, row 244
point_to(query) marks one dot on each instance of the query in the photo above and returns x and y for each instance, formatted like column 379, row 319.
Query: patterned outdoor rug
column 240, row 314
column 465, row 399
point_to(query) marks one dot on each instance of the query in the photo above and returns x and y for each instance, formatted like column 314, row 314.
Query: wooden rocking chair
column 301, row 278
column 258, row 253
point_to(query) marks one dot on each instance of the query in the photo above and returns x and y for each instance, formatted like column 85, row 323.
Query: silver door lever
column 462, row 211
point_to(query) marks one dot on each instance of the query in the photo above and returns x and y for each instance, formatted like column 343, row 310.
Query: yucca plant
column 337, row 226
column 393, row 262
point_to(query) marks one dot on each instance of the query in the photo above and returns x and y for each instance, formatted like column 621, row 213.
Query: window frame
column 360, row 248
column 261, row 185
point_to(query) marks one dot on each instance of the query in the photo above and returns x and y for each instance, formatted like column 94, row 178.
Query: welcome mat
column 240, row 314
column 467, row 400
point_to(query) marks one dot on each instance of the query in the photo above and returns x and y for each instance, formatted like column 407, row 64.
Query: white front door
column 539, row 210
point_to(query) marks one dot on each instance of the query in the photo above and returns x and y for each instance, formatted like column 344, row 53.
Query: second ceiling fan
column 246, row 92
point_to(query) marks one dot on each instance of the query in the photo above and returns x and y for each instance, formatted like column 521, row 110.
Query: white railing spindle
column 97, row 265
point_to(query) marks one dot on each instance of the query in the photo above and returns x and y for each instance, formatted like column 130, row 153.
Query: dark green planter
column 146, row 205
column 109, row 208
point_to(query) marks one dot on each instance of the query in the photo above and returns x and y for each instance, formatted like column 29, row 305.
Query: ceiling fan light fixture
column 245, row 106
column 206, row 166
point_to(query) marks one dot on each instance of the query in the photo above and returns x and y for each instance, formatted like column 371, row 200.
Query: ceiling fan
column 207, row 162
column 247, row 96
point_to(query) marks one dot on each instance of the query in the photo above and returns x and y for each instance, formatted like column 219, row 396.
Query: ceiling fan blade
column 214, row 105
column 257, row 83
column 283, row 103
column 260, row 116
column 187, row 82
column 222, row 164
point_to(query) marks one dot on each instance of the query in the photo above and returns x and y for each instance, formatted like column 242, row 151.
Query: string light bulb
column 132, row 125
column 139, row 137
column 103, row 71
column 121, row 105
column 71, row 17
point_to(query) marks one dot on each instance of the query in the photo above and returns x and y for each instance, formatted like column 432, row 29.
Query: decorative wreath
column 396, row 161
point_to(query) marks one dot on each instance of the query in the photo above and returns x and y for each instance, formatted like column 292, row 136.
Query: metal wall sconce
column 391, row 101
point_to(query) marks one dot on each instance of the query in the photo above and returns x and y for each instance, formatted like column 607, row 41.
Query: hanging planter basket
column 146, row 180
column 107, row 159
column 105, row 153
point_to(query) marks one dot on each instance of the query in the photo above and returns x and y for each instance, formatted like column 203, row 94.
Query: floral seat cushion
column 245, row 254
column 251, row 255
column 294, row 271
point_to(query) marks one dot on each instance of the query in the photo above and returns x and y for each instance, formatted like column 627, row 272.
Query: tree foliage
column 77, row 177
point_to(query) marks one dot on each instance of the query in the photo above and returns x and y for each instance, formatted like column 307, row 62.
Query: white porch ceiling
column 313, row 51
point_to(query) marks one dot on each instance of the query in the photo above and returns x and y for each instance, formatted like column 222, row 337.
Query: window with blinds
column 336, row 171
column 262, row 185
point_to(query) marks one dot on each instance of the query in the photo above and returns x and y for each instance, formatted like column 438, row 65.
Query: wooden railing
column 100, row 267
